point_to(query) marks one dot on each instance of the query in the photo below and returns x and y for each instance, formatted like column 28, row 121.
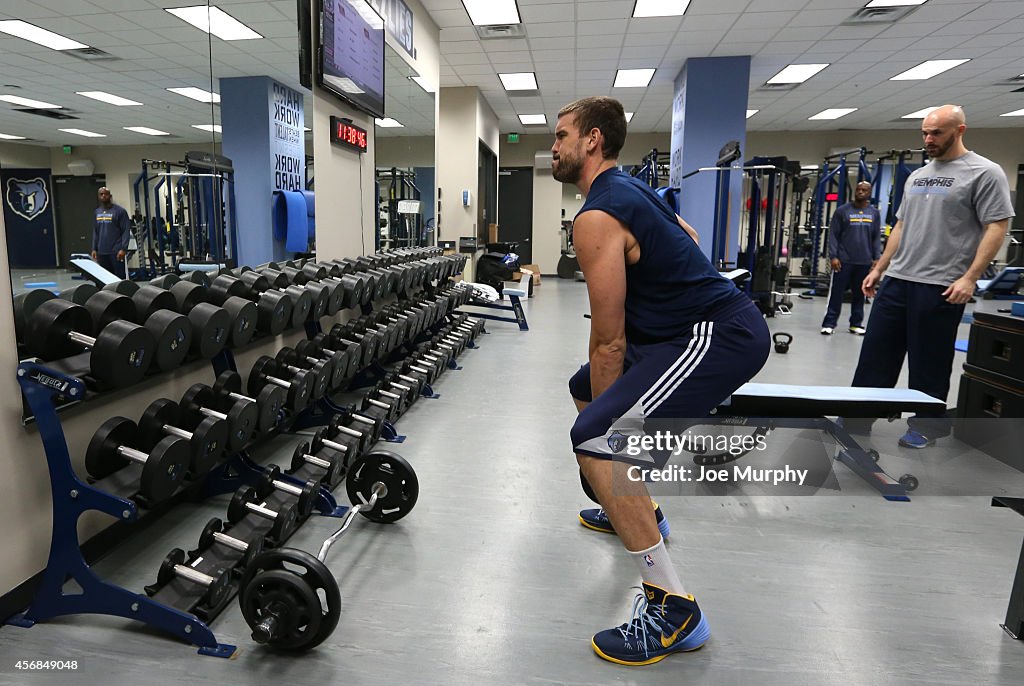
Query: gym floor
column 492, row 580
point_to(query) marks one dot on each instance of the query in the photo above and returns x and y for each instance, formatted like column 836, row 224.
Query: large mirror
column 404, row 139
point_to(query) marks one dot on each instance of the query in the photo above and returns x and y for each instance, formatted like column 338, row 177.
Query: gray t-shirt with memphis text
column 946, row 205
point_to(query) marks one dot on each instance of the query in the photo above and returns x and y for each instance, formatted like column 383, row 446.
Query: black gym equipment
column 163, row 468
column 274, row 311
column 322, row 371
column 306, row 494
column 289, row 598
column 299, row 389
column 346, row 441
column 213, row 534
column 120, row 354
column 245, row 501
column 218, row 585
column 270, row 400
column 308, row 353
column 303, row 455
column 207, row 440
column 242, row 416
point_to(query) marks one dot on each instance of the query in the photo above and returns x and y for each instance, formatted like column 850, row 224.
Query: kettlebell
column 782, row 341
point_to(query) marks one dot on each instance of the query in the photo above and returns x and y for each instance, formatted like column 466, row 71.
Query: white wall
column 405, row 151
column 457, row 161
column 547, row 222
column 15, row 155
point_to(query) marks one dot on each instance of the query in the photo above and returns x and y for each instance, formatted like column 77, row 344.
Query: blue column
column 708, row 111
column 263, row 136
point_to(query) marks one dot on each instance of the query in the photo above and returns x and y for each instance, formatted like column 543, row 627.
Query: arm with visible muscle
column 688, row 229
column 600, row 242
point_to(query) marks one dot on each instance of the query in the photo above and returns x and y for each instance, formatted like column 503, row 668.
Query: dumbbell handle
column 378, row 490
column 262, row 511
column 194, row 575
column 87, row 341
column 421, row 370
column 333, row 446
column 132, row 454
column 401, row 387
column 294, row 370
column 376, row 403
column 212, row 413
column 239, row 396
column 286, row 487
column 175, row 431
column 230, row 542
column 366, row 420
column 349, row 431
column 318, row 360
column 277, row 381
column 319, row 461
column 388, row 394
column 346, row 340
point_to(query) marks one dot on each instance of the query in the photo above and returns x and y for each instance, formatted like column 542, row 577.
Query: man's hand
column 120, row 255
column 836, row 264
column 870, row 284
column 961, row 291
column 93, row 255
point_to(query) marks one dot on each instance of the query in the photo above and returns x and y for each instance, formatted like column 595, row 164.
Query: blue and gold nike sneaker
column 595, row 518
column 662, row 624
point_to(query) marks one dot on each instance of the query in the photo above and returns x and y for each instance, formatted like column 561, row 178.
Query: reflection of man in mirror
column 111, row 234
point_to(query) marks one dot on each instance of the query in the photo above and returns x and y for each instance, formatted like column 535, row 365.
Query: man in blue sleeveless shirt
column 670, row 338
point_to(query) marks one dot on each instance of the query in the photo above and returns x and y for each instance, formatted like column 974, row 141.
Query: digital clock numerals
column 350, row 135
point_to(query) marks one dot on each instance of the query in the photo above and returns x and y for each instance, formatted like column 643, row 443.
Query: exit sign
column 513, row 138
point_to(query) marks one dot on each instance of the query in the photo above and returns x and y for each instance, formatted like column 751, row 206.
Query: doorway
column 515, row 209
column 75, row 203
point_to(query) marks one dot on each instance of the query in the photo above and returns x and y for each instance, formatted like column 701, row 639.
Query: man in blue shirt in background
column 111, row 235
column 854, row 245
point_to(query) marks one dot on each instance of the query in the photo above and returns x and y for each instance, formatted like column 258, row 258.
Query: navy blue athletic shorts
column 683, row 378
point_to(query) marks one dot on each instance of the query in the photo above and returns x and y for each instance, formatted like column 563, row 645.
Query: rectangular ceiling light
column 519, row 81
column 422, row 83
column 629, row 117
column 660, row 8
column 146, row 130
column 9, row 137
column 533, row 119
column 928, row 69
column 196, row 94
column 751, row 113
column 633, row 78
column 388, row 123
column 83, row 132
column 28, row 102
column 109, row 98
column 216, row 21
column 920, row 114
column 491, row 12
column 213, row 128
column 797, row 73
column 895, row 3
column 833, row 113
column 1015, row 113
column 40, row 36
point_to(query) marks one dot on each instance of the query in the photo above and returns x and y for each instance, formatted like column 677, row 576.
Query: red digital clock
column 347, row 134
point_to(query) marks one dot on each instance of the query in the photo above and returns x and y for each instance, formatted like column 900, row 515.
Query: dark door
column 515, row 209
column 75, row 204
column 487, row 191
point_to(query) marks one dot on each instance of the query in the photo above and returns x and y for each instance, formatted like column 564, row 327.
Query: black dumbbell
column 245, row 501
column 227, row 390
column 299, row 389
column 79, row 293
column 372, row 424
column 207, row 440
column 375, row 407
column 288, row 362
column 302, row 455
column 274, row 311
column 163, row 468
column 345, row 440
column 213, row 330
column 120, row 353
column 369, row 343
column 124, row 287
column 242, row 416
column 213, row 534
column 25, row 305
column 393, row 403
column 277, row 282
column 403, row 383
column 306, row 494
column 325, row 344
column 421, row 370
column 218, row 585
column 338, row 360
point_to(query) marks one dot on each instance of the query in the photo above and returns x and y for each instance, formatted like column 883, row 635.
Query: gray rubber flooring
column 491, row 580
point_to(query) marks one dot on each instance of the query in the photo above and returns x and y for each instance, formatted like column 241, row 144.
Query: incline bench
column 514, row 293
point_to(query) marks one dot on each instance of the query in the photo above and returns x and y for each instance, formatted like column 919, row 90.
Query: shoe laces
column 643, row 623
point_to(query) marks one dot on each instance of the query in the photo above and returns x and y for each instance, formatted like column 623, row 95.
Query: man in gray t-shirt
column 953, row 219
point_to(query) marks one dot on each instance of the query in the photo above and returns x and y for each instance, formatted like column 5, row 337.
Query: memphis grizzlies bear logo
column 617, row 441
column 27, row 198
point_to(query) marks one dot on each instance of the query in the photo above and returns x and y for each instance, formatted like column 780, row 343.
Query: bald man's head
column 943, row 131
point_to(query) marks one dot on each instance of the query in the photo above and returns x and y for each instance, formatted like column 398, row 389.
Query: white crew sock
column 656, row 568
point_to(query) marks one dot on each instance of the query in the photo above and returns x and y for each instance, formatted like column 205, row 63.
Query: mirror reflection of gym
column 405, row 159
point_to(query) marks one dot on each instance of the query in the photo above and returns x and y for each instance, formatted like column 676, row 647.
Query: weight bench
column 1006, row 285
column 782, row 406
column 1014, row 625
column 93, row 271
column 514, row 294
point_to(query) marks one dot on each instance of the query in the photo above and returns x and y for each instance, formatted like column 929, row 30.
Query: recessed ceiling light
column 833, row 113
column 109, row 98
column 1015, row 113
column 519, row 81
column 928, row 69
column 629, row 117
column 213, row 128
column 83, row 132
column 797, row 73
column 196, row 94
column 146, row 130
column 894, row 3
column 28, row 102
column 9, row 137
column 808, row 167
column 533, row 119
column 751, row 113
column 920, row 114
column 40, row 36
column 659, row 8
column 633, row 78
column 423, row 83
column 388, row 123
column 307, row 129
column 491, row 12
column 214, row 20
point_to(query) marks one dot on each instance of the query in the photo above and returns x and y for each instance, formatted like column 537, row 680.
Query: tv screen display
column 352, row 53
